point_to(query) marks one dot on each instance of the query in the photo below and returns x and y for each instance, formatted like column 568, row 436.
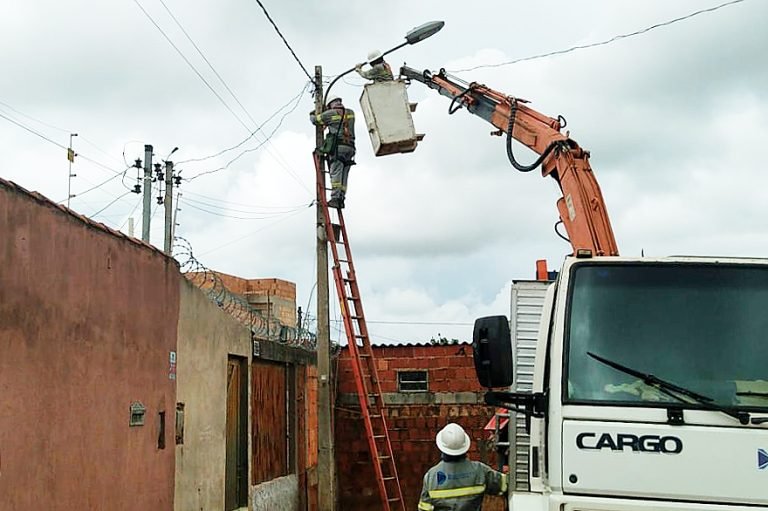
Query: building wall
column 413, row 419
column 88, row 321
column 207, row 336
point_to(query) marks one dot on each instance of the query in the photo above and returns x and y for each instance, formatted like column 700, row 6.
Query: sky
column 674, row 119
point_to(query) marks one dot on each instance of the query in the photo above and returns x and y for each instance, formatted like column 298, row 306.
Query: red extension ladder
column 363, row 363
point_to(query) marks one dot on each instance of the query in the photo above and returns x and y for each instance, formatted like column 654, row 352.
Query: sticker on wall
column 172, row 368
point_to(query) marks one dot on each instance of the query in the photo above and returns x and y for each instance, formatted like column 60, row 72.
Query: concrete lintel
column 420, row 398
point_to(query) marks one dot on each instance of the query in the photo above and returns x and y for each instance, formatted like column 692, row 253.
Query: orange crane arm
column 582, row 209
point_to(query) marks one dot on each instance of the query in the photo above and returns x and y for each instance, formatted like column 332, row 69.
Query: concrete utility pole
column 71, row 157
column 326, row 466
column 168, row 202
column 175, row 216
column 146, row 212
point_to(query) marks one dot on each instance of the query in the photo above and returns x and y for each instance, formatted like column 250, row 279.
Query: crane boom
column 581, row 207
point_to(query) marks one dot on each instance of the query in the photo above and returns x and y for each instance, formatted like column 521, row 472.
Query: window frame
column 400, row 381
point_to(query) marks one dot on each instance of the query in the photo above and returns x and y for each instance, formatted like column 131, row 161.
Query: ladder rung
column 396, row 499
column 389, row 478
column 379, row 436
column 353, row 298
column 384, row 457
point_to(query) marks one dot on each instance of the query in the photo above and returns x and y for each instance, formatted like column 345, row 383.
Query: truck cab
column 644, row 386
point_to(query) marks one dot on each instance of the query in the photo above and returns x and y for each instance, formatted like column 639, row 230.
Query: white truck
column 645, row 387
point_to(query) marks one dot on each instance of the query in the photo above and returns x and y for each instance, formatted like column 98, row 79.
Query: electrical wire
column 34, row 119
column 138, row 202
column 227, row 202
column 286, row 42
column 266, row 217
column 254, row 232
column 254, row 210
column 601, row 43
column 82, row 156
column 32, row 131
column 94, row 187
column 218, row 96
column 202, row 55
column 279, row 124
column 108, row 205
column 277, row 156
column 297, row 97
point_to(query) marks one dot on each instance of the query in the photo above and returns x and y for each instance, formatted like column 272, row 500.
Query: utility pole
column 175, row 216
column 168, row 202
column 326, row 466
column 146, row 213
column 71, row 157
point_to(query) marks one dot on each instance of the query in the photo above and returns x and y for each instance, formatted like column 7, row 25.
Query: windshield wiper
column 752, row 394
column 675, row 391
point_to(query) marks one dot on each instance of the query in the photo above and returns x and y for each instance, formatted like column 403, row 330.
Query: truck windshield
column 703, row 327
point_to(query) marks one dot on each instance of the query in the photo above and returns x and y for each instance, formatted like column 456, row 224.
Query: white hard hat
column 452, row 440
column 373, row 55
column 331, row 99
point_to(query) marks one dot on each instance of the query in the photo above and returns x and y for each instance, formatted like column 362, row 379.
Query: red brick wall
column 412, row 427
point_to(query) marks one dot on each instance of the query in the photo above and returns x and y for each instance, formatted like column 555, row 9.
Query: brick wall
column 272, row 297
column 413, row 418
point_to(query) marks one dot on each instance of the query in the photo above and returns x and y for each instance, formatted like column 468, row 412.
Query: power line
column 131, row 213
column 226, row 105
column 297, row 97
column 48, row 125
column 94, row 187
column 108, row 205
column 286, row 42
column 200, row 52
column 255, row 209
column 265, row 217
column 82, row 156
column 601, row 43
column 32, row 131
column 256, row 231
column 280, row 123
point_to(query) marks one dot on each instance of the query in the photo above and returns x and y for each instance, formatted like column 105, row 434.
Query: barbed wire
column 211, row 283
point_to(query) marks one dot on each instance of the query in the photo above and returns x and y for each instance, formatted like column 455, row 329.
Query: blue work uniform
column 460, row 486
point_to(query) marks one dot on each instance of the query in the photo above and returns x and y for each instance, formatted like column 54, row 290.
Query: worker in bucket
column 456, row 483
column 338, row 146
column 379, row 71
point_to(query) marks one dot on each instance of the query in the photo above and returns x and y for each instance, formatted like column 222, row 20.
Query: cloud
column 673, row 120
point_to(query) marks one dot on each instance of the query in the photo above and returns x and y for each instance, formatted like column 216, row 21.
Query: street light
column 415, row 35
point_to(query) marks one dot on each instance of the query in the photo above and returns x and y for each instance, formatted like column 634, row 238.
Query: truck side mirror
column 492, row 351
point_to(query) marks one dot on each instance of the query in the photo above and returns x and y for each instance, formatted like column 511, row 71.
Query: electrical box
column 388, row 118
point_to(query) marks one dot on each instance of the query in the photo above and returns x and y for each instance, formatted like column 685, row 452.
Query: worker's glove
column 358, row 67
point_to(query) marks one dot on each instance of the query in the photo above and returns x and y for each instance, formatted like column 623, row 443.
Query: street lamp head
column 421, row 32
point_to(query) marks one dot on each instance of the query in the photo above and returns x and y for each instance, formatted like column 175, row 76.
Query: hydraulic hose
column 510, row 155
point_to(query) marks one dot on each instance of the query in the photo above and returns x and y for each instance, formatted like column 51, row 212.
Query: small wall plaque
column 138, row 411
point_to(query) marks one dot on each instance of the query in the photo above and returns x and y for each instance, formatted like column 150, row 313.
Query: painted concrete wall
column 207, row 336
column 281, row 493
column 87, row 323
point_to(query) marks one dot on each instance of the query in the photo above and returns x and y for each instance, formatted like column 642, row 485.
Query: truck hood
column 689, row 463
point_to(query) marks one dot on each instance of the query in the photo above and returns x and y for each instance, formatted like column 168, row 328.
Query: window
column 699, row 326
column 412, row 381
